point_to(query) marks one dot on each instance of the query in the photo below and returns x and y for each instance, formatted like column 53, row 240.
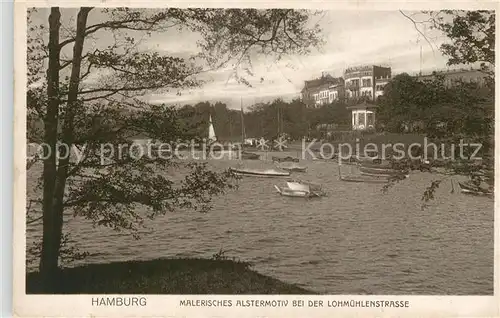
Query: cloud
column 352, row 37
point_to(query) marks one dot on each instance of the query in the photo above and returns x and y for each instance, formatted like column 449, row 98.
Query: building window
column 367, row 82
column 370, row 120
column 361, row 119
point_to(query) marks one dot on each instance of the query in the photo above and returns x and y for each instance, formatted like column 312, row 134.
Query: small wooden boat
column 382, row 171
column 306, row 186
column 294, row 168
column 297, row 185
column 292, row 193
column 302, row 192
column 469, row 188
column 385, row 176
column 363, row 179
column 259, row 172
column 249, row 155
column 286, row 159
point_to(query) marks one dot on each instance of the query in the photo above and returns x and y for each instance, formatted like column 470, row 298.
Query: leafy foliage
column 89, row 94
column 453, row 113
column 472, row 35
column 440, row 110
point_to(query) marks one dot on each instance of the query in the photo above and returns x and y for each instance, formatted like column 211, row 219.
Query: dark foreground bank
column 164, row 276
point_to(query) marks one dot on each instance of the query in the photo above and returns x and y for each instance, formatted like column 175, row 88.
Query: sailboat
column 212, row 143
column 211, row 131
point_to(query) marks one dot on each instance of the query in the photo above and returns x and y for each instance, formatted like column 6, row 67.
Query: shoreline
column 165, row 276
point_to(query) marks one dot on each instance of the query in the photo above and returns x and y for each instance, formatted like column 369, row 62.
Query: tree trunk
column 71, row 108
column 55, row 180
column 50, row 243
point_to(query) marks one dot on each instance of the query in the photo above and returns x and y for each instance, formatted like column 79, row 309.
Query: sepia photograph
column 249, row 151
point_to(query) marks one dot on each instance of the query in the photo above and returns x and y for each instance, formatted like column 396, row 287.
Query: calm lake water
column 356, row 240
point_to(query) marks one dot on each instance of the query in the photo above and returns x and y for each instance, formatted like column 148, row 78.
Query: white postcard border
column 169, row 305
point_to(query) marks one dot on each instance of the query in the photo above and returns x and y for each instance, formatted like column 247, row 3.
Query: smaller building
column 323, row 90
column 363, row 116
column 453, row 76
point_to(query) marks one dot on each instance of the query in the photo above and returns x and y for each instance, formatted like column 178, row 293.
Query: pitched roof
column 326, row 79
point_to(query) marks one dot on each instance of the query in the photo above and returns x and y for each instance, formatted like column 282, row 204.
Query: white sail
column 211, row 131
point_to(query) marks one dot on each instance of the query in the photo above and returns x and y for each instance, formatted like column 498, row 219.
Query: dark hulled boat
column 285, row 159
column 469, row 188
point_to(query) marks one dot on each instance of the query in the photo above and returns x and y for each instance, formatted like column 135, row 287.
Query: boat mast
column 243, row 137
column 230, row 125
column 280, row 121
column 278, row 106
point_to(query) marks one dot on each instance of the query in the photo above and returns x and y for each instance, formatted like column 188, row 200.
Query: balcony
column 352, row 86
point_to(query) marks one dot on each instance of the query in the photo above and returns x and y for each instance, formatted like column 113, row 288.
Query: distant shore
column 165, row 276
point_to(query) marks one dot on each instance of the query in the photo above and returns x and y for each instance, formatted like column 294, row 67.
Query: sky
column 351, row 37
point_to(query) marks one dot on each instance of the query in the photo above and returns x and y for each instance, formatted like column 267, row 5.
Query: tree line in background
column 435, row 108
column 267, row 120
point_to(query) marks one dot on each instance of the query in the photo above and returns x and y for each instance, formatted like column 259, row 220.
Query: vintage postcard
column 277, row 159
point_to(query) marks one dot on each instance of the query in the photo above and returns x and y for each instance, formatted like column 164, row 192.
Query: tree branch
column 418, row 30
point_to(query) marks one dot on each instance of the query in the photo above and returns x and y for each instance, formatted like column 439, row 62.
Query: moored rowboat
column 353, row 178
column 259, row 172
column 378, row 171
column 249, row 155
column 303, row 185
column 474, row 190
column 302, row 191
column 314, row 188
column 294, row 168
column 386, row 176
column 363, row 179
column 286, row 159
column 292, row 193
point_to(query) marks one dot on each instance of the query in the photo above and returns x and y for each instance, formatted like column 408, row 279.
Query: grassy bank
column 165, row 276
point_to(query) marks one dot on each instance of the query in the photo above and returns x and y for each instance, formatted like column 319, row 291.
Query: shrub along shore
column 164, row 276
